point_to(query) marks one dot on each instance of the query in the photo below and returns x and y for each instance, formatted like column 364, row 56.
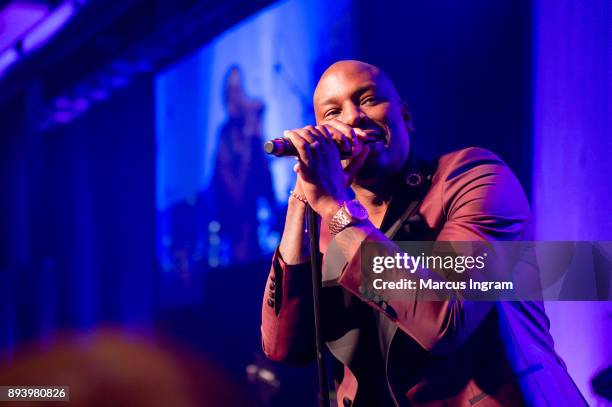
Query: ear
column 407, row 116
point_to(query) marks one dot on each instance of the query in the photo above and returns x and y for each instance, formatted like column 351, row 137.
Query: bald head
column 347, row 69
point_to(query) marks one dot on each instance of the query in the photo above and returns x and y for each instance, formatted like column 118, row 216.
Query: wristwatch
column 350, row 213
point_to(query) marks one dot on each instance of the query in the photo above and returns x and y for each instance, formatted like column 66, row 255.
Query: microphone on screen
column 283, row 147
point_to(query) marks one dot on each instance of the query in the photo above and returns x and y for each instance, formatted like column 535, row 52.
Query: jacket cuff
column 292, row 279
column 341, row 250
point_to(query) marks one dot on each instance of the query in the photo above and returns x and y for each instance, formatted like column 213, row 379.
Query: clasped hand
column 321, row 176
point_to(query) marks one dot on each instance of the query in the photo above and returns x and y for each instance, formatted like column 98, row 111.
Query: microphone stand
column 315, row 261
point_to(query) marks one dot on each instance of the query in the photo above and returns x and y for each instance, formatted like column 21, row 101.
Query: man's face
column 361, row 96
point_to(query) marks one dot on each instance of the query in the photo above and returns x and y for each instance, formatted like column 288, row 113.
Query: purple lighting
column 16, row 18
column 48, row 27
column 7, row 58
column 571, row 171
column 80, row 104
column 62, row 117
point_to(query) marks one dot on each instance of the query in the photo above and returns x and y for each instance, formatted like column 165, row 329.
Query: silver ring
column 314, row 144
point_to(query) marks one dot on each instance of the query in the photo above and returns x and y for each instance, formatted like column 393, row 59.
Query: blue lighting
column 215, row 187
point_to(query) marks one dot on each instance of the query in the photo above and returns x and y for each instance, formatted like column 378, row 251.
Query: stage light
column 43, row 31
column 214, row 226
column 7, row 58
column 62, row 117
column 17, row 18
column 80, row 104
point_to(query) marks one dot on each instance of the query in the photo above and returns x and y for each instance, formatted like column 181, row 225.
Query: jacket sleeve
column 287, row 328
column 478, row 199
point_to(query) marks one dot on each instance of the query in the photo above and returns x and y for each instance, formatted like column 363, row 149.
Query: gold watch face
column 356, row 210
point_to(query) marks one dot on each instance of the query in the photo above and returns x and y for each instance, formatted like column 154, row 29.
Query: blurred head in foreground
column 111, row 368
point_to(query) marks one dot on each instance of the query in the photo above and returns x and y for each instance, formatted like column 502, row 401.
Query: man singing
column 433, row 353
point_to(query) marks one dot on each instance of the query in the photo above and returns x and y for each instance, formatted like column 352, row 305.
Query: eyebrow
column 362, row 89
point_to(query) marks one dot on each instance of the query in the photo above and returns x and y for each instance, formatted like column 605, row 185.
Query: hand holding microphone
column 284, row 147
column 319, row 150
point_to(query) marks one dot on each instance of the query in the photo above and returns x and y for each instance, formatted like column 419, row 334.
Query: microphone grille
column 269, row 147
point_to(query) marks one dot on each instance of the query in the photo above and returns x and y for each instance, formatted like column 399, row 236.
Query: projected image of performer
column 391, row 352
column 242, row 183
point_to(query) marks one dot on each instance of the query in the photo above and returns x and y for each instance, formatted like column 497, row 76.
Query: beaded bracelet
column 299, row 197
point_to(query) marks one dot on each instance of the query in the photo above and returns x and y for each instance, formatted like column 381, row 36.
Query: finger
column 343, row 128
column 306, row 135
column 353, row 167
column 354, row 142
column 337, row 137
column 314, row 132
column 323, row 142
column 351, row 133
column 313, row 136
column 357, row 142
column 300, row 144
column 335, row 134
column 331, row 132
column 326, row 136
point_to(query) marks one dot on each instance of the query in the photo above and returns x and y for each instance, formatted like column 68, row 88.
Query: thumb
column 353, row 167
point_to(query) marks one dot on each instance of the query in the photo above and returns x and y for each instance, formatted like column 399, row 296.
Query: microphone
column 283, row 147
